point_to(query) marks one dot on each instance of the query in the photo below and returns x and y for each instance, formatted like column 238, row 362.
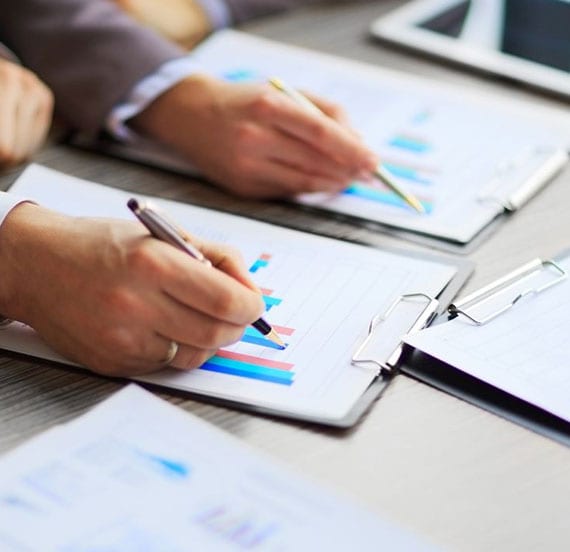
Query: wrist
column 23, row 227
column 185, row 101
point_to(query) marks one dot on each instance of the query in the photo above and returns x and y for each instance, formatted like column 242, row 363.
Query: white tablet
column 525, row 40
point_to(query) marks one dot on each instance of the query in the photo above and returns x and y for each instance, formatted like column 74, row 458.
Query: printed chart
column 251, row 366
column 434, row 141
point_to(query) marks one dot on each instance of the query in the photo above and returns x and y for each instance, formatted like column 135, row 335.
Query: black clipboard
column 22, row 340
column 452, row 380
column 154, row 155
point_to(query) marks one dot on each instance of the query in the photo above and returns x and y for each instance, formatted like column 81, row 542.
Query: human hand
column 182, row 21
column 25, row 113
column 107, row 295
column 256, row 141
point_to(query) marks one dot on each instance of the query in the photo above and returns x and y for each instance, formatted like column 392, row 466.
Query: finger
column 332, row 110
column 43, row 116
column 324, row 134
column 194, row 328
column 230, row 261
column 306, row 159
column 280, row 180
column 188, row 358
column 208, row 289
column 8, row 111
column 27, row 129
column 223, row 257
column 269, row 143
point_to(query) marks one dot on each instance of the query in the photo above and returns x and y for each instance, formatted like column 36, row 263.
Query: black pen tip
column 133, row 204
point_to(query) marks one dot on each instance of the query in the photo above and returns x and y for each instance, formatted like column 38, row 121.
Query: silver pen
column 164, row 230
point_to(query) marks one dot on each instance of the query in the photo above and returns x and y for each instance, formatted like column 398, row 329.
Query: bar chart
column 242, row 529
column 252, row 366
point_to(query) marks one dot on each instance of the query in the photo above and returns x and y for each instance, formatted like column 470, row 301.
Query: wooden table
column 457, row 475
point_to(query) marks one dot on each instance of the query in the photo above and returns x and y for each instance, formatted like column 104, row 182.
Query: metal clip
column 538, row 265
column 423, row 319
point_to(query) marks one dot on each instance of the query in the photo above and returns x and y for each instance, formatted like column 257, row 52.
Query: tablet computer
column 525, row 40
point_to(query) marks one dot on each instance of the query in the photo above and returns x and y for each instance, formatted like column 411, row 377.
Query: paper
column 524, row 351
column 320, row 295
column 459, row 157
column 138, row 474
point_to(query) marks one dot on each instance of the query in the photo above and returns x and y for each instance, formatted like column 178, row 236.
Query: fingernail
column 364, row 175
column 371, row 162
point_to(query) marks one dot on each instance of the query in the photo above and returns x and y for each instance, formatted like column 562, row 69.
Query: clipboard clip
column 556, row 274
column 516, row 180
column 393, row 345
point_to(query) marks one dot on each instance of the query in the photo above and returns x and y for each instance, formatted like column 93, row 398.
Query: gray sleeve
column 88, row 52
column 248, row 9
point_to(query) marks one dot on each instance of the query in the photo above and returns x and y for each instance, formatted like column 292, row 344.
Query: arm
column 107, row 295
column 245, row 137
column 25, row 113
column 88, row 52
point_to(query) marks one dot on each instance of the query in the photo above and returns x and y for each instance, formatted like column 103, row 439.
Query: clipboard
column 387, row 326
column 539, row 276
column 327, row 388
column 429, row 162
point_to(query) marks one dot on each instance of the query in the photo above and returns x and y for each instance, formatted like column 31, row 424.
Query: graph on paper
column 320, row 295
column 251, row 366
column 458, row 157
column 215, row 495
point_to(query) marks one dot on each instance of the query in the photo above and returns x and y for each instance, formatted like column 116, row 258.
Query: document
column 138, row 474
column 525, row 351
column 320, row 295
column 464, row 158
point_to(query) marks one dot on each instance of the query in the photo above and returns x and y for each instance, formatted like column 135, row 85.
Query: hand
column 256, row 141
column 182, row 21
column 107, row 295
column 25, row 113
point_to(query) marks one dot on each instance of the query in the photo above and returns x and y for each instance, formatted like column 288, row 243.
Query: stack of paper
column 137, row 474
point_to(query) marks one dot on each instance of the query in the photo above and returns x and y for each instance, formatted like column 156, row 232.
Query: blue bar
column 260, row 340
column 406, row 173
column 271, row 302
column 260, row 263
column 170, row 468
column 409, row 144
column 240, row 75
column 245, row 370
column 381, row 196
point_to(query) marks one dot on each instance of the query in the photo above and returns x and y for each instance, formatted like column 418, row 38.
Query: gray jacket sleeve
column 248, row 9
column 87, row 51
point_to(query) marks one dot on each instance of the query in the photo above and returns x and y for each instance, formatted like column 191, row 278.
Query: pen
column 166, row 231
column 380, row 173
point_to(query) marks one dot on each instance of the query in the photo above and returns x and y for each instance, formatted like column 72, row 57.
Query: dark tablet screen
column 536, row 30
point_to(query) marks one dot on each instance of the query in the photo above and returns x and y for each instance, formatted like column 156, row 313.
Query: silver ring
column 172, row 352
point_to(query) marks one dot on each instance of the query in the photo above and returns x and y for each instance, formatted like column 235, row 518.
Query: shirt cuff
column 146, row 91
column 217, row 12
column 7, row 203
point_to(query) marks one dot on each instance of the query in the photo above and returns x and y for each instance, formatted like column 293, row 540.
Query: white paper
column 525, row 351
column 322, row 292
column 138, row 474
column 459, row 156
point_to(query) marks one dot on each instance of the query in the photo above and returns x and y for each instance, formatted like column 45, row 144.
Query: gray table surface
column 455, row 474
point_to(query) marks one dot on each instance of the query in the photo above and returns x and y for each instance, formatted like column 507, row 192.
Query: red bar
column 266, row 291
column 265, row 256
column 282, row 330
column 256, row 360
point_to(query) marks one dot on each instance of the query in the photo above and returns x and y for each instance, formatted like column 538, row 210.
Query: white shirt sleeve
column 167, row 76
column 7, row 203
column 146, row 91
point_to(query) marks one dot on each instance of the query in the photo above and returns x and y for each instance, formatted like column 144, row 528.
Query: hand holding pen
column 379, row 172
column 163, row 229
